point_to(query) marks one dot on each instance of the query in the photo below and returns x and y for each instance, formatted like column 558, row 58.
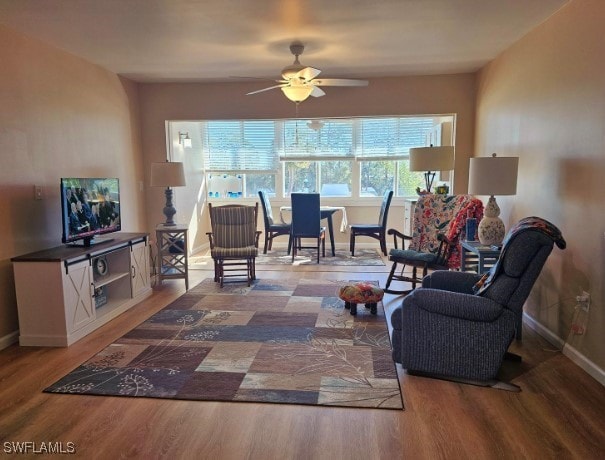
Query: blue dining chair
column 306, row 223
column 272, row 228
column 377, row 231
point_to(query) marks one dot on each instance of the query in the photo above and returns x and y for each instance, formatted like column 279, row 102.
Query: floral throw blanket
column 444, row 214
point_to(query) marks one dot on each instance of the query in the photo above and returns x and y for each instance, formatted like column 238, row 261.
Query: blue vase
column 471, row 229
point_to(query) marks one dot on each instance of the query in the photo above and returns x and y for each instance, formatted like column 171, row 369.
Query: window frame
column 357, row 157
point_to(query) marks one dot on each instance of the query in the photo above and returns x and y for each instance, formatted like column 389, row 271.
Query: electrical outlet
column 583, row 298
column 37, row 192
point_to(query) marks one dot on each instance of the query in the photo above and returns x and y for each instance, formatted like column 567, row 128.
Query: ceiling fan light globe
column 297, row 93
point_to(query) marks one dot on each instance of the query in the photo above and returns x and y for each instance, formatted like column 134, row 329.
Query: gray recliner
column 459, row 325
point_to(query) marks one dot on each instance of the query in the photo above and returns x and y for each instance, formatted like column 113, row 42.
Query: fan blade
column 339, row 82
column 308, row 73
column 317, row 92
column 266, row 89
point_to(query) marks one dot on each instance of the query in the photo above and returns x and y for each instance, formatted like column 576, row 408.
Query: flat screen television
column 90, row 207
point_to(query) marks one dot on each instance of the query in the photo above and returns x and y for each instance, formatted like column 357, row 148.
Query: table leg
column 480, row 264
column 331, row 231
column 462, row 259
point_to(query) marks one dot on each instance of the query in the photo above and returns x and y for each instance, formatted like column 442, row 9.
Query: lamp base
column 491, row 228
column 491, row 231
column 429, row 176
column 169, row 210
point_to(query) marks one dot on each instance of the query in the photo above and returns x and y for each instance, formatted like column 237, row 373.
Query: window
column 330, row 178
column 239, row 146
column 340, row 157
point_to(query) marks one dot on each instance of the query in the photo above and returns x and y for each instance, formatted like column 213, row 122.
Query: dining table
column 326, row 212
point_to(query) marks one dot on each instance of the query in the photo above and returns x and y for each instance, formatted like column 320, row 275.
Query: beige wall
column 544, row 100
column 59, row 116
column 453, row 94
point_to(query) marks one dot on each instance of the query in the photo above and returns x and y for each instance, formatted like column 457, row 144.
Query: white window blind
column 332, row 138
column 391, row 137
column 239, row 146
column 245, row 146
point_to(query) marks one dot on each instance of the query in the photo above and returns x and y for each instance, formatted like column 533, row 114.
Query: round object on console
column 100, row 266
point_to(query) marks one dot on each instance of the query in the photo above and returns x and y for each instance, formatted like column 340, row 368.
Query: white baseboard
column 572, row 353
column 547, row 334
column 591, row 368
column 9, row 339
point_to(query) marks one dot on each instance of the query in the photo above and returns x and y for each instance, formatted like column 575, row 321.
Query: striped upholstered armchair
column 233, row 241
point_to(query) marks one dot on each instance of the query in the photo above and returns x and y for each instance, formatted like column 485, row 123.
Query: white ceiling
column 213, row 40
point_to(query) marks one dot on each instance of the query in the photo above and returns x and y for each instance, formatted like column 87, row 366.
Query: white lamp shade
column 167, row 174
column 297, row 93
column 432, row 158
column 493, row 176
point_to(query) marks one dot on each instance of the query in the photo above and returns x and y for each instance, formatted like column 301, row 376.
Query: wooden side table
column 477, row 257
column 172, row 259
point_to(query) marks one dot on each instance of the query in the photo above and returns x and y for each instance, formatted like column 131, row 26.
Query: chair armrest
column 209, row 235
column 452, row 281
column 454, row 304
column 397, row 234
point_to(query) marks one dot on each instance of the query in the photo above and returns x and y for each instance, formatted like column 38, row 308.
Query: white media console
column 64, row 293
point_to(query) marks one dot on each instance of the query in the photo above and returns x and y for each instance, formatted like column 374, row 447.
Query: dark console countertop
column 67, row 252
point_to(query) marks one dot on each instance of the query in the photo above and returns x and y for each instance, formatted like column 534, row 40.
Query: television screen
column 90, row 206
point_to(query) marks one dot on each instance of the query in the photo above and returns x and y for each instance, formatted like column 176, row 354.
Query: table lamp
column 431, row 159
column 168, row 175
column 492, row 176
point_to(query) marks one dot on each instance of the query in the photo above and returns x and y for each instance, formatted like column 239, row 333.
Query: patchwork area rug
column 363, row 257
column 278, row 341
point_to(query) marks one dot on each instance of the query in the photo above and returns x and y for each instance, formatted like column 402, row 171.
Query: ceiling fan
column 298, row 81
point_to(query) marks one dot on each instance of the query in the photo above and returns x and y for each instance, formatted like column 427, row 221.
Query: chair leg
column 383, row 243
column 267, row 241
column 414, row 276
column 352, row 243
column 254, row 268
column 391, row 274
column 387, row 288
column 221, row 273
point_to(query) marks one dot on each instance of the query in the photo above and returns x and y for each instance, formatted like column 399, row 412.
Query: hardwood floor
column 559, row 414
